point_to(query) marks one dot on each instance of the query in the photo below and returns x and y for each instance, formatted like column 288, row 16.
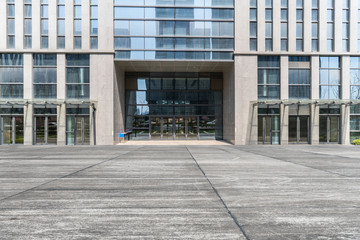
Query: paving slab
column 180, row 191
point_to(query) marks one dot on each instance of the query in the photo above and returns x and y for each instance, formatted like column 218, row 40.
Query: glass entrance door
column 167, row 128
column 329, row 131
column 171, row 128
column 192, row 128
column 12, row 130
column 269, row 130
column 78, row 130
column 299, row 129
column 45, row 130
column 180, row 128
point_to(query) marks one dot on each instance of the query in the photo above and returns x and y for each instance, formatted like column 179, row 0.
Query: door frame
column 13, row 128
column 328, row 128
column 173, row 128
column 264, row 116
column 298, row 136
column 46, row 128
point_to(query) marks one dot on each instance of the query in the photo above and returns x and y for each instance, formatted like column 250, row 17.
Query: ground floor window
column 11, row 125
column 174, row 106
column 45, row 125
column 269, row 124
column 77, row 125
column 354, row 122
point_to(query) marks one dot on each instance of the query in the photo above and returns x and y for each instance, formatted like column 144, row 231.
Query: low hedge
column 356, row 142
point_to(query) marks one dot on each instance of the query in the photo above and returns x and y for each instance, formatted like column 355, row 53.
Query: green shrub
column 356, row 142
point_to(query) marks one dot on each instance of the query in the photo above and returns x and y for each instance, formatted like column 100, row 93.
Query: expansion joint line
column 67, row 175
column 218, row 195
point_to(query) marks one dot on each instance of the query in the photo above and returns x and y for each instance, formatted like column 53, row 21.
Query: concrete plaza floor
column 180, row 192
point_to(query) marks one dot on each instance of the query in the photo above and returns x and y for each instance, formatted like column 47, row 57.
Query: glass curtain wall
column 45, row 76
column 174, row 29
column 77, row 76
column 330, row 79
column 174, row 105
column 299, row 78
column 253, row 25
column 268, row 77
column 11, row 76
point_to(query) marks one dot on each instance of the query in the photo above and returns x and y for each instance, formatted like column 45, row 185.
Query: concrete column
column 353, row 26
column 284, row 77
column 315, row 77
column 338, row 26
column 284, row 124
column 261, row 26
column 276, row 26
column 36, row 13
column 307, row 25
column 52, row 25
column 61, row 121
column 345, row 94
column 314, row 123
column 345, row 77
column 322, row 26
column 242, row 31
column 19, row 24
column 61, row 95
column 106, row 25
column 3, row 31
column 292, row 26
column 245, row 92
column 85, row 24
column 69, row 25
column 28, row 96
column 229, row 105
column 345, row 124
column 102, row 92
column 119, row 102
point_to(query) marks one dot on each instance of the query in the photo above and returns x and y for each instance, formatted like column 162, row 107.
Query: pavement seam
column 65, row 176
column 218, row 195
column 314, row 168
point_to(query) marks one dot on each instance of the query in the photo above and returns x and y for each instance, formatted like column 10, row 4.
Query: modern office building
column 244, row 71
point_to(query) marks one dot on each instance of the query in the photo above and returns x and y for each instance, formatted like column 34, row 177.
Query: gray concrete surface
column 180, row 192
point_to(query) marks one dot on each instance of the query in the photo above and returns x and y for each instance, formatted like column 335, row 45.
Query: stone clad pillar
column 28, row 96
column 61, row 96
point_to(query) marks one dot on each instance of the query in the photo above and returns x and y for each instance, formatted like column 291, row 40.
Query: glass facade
column 174, row 105
column 11, row 76
column 354, row 77
column 330, row 78
column 268, row 77
column 299, row 78
column 45, row 76
column 78, row 76
column 193, row 30
column 11, row 124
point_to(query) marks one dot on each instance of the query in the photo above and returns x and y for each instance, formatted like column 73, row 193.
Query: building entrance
column 11, row 130
column 174, row 106
column 299, row 129
column 174, row 128
column 45, row 130
column 78, row 130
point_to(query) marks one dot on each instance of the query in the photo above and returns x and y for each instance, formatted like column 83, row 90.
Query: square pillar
column 61, row 95
column 61, row 121
column 345, row 124
column 284, row 124
column 314, row 124
column 28, row 96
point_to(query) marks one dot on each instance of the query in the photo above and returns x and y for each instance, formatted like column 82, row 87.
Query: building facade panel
column 266, row 72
